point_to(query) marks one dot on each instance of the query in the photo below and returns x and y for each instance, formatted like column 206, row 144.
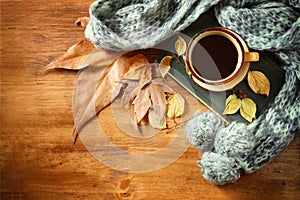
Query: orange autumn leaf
column 137, row 60
column 79, row 56
column 82, row 21
column 165, row 65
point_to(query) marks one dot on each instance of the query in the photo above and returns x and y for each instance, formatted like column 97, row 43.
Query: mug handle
column 251, row 56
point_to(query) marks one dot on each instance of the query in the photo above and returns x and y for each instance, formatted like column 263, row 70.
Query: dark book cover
column 215, row 101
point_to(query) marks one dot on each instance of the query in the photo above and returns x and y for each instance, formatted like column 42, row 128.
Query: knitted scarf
column 265, row 25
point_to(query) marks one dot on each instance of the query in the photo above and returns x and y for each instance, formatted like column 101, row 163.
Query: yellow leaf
column 155, row 122
column 186, row 65
column 175, row 105
column 180, row 46
column 233, row 104
column 165, row 64
column 248, row 109
column 166, row 60
column 258, row 82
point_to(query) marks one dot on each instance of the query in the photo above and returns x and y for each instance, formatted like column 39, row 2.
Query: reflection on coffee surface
column 214, row 57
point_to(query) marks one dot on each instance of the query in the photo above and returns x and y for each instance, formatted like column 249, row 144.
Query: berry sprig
column 239, row 101
column 239, row 94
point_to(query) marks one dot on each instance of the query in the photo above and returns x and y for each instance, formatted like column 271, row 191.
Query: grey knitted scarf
column 265, row 25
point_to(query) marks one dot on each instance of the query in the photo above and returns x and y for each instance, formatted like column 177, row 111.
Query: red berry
column 241, row 96
column 244, row 96
column 240, row 91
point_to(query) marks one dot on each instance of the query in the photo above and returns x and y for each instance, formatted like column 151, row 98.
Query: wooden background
column 38, row 159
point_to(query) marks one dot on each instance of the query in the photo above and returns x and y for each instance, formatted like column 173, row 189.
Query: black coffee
column 214, row 57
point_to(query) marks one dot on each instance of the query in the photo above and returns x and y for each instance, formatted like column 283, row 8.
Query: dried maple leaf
column 258, row 82
column 82, row 21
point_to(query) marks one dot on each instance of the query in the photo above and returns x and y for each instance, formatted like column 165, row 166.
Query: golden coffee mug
column 218, row 58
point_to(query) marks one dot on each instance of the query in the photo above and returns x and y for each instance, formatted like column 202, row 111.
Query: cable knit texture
column 265, row 25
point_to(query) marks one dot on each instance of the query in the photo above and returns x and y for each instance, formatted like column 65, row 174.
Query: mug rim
column 238, row 66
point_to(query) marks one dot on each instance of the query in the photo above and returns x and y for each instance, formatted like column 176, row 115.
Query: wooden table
column 38, row 159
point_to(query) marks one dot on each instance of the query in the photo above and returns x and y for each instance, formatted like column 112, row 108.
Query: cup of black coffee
column 216, row 55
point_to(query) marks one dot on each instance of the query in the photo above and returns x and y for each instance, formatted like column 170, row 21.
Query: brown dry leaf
column 233, row 104
column 108, row 88
column 142, row 103
column 180, row 46
column 160, row 90
column 137, row 60
column 144, row 121
column 248, row 109
column 175, row 106
column 130, row 90
column 164, row 70
column 78, row 56
column 82, row 21
column 113, row 79
column 85, row 89
column 156, row 71
column 142, row 73
column 151, row 96
column 258, row 82
column 154, row 120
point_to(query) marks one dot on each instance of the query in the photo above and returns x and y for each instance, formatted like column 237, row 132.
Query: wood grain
column 38, row 159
